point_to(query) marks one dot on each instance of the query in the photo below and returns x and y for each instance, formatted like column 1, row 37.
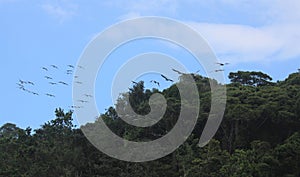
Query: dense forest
column 259, row 136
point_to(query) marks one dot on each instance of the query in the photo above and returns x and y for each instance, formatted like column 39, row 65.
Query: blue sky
column 251, row 35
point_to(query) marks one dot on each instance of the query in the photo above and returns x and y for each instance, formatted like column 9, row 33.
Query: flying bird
column 167, row 79
column 22, row 82
column 71, row 66
column 222, row 64
column 54, row 66
column 31, row 83
column 134, row 82
column 20, row 85
column 61, row 82
column 52, row 83
column 82, row 101
column 34, row 93
column 87, row 95
column 78, row 82
column 155, row 82
column 50, row 95
column 47, row 77
column 179, row 72
column 218, row 70
column 75, row 106
column 75, row 77
column 44, row 68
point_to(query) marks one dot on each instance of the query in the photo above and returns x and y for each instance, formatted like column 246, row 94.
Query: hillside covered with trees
column 259, row 136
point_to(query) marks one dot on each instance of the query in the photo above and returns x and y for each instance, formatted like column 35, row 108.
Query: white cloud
column 129, row 15
column 248, row 30
column 60, row 12
column 247, row 43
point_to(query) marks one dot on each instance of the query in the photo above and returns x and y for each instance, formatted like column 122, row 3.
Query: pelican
column 52, row 83
column 87, row 95
column 47, row 77
column 22, row 82
column 222, row 64
column 34, row 93
column 61, row 82
column 155, row 82
column 31, row 83
column 218, row 70
column 179, row 72
column 54, row 66
column 50, row 95
column 82, row 101
column 167, row 79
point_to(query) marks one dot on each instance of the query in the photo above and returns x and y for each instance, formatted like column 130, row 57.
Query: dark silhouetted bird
column 54, row 66
column 34, row 93
column 88, row 95
column 155, row 82
column 22, row 82
column 47, row 77
column 167, row 79
column 82, row 101
column 61, row 82
column 222, row 64
column 50, row 95
column 52, row 83
column 179, row 72
column 31, row 83
column 218, row 70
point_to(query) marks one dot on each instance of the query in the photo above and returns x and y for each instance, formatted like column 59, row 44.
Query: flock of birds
column 26, row 86
column 181, row 73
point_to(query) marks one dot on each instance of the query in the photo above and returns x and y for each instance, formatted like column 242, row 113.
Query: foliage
column 259, row 135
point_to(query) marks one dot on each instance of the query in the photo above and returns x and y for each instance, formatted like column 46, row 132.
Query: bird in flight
column 155, row 82
column 75, row 106
column 61, row 82
column 34, row 93
column 167, row 79
column 44, row 68
column 82, row 101
column 22, row 82
column 218, row 70
column 52, row 83
column 54, row 66
column 88, row 95
column 179, row 72
column 20, row 85
column 47, row 77
column 50, row 95
column 31, row 83
column 71, row 66
column 78, row 82
column 222, row 64
column 134, row 82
